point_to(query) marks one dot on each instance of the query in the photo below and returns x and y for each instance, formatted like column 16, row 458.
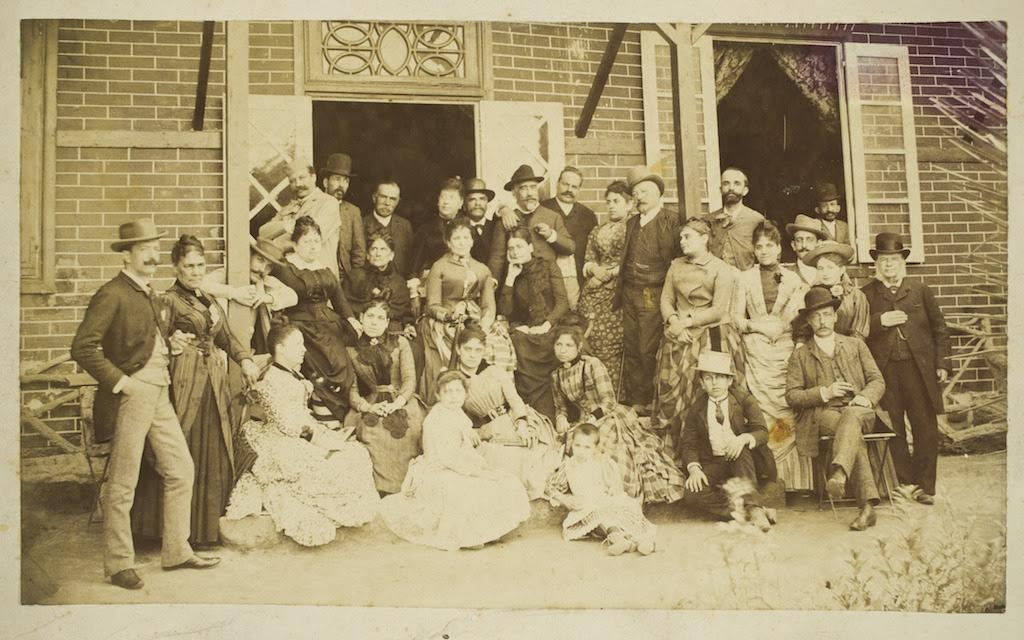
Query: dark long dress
column 325, row 330
column 368, row 282
column 202, row 399
column 537, row 295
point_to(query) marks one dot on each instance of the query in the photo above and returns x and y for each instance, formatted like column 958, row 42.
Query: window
column 38, row 149
column 866, row 141
column 400, row 57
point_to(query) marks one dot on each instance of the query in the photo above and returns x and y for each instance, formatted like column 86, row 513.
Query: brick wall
column 271, row 58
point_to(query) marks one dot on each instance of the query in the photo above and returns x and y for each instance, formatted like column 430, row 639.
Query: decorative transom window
column 407, row 57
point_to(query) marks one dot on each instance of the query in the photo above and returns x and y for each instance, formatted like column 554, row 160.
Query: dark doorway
column 418, row 145
column 772, row 131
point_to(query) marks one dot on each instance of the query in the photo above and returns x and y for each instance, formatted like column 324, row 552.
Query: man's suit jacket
column 323, row 209
column 351, row 238
column 744, row 417
column 925, row 331
column 116, row 339
column 842, row 231
column 808, row 370
column 667, row 222
column 562, row 246
column 579, row 222
column 401, row 232
column 483, row 240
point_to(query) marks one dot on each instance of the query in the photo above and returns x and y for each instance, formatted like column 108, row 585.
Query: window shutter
column 886, row 193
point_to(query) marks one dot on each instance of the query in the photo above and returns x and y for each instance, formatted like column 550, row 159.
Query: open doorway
column 418, row 145
column 778, row 121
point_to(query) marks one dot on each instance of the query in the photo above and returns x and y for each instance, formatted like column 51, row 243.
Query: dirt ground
column 699, row 563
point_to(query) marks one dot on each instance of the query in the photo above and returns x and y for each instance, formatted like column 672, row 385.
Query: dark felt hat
column 476, row 185
column 640, row 173
column 524, row 173
column 818, row 297
column 888, row 242
column 825, row 192
column 129, row 233
column 340, row 164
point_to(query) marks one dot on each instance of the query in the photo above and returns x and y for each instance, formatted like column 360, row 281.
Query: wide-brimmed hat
column 715, row 362
column 340, row 164
column 818, row 297
column 268, row 250
column 140, row 230
column 825, row 192
column 842, row 249
column 476, row 185
column 640, row 173
column 808, row 224
column 888, row 242
column 524, row 173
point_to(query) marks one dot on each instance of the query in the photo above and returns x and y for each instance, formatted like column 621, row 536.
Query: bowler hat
column 268, row 250
column 476, row 185
column 808, row 224
column 888, row 242
column 818, row 297
column 825, row 192
column 640, row 173
column 523, row 174
column 340, row 164
column 140, row 230
column 844, row 251
column 715, row 362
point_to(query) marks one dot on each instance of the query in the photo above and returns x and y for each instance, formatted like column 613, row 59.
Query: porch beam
column 202, row 82
column 611, row 50
column 236, row 168
column 684, row 112
column 698, row 31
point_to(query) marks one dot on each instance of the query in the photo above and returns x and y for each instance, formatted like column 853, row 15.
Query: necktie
column 719, row 416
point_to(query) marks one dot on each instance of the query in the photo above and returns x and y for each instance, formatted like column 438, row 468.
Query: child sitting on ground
column 598, row 505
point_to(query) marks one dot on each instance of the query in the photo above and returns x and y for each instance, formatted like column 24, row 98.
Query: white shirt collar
column 647, row 217
column 142, row 283
column 828, row 345
column 566, row 208
column 302, row 264
column 383, row 221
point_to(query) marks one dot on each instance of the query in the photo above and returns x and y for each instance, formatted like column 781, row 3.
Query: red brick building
column 109, row 133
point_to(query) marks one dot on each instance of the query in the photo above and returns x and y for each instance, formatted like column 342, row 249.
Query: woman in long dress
column 514, row 436
column 201, row 346
column 696, row 305
column 768, row 298
column 451, row 497
column 601, row 266
column 583, row 393
column 460, row 292
column 318, row 315
column 311, row 480
column 534, row 300
column 386, row 413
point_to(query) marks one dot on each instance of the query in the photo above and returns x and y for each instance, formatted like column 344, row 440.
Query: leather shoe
column 196, row 562
column 866, row 518
column 924, row 498
column 836, row 486
column 127, row 579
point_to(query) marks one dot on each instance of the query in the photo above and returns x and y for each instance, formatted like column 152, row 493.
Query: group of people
column 444, row 378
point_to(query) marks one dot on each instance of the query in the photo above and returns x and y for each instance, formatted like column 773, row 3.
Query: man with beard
column 805, row 233
column 550, row 237
column 827, row 211
column 732, row 226
column 123, row 343
column 351, row 239
column 579, row 220
column 385, row 200
column 478, row 196
column 310, row 201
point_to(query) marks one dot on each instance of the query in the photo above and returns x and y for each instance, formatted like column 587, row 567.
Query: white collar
column 383, row 221
column 828, row 345
column 647, row 217
column 566, row 208
column 474, row 223
column 142, row 283
column 302, row 264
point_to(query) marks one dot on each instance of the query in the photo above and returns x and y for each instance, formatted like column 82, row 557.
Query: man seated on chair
column 723, row 434
column 834, row 385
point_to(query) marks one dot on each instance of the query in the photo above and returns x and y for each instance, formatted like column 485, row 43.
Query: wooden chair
column 94, row 450
column 878, row 453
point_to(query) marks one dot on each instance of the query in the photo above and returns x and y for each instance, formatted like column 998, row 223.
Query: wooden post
column 684, row 112
column 236, row 168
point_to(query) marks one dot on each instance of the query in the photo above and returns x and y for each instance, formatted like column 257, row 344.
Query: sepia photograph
column 513, row 314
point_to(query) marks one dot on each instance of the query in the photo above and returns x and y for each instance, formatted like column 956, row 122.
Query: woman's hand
column 561, row 423
column 178, row 341
column 474, row 438
column 380, row 409
column 250, row 372
column 696, row 480
column 525, row 433
column 409, row 332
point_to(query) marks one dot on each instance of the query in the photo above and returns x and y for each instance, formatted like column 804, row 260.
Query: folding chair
column 878, row 450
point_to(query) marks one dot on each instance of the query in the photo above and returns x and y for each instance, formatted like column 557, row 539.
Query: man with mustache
column 805, row 234
column 579, row 220
column 386, row 197
column 478, row 197
column 827, row 214
column 310, row 201
column 550, row 237
column 123, row 343
column 351, row 240
column 732, row 226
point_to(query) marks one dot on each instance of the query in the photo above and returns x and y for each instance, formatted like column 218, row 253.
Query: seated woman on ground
column 310, row 479
column 451, row 497
column 598, row 505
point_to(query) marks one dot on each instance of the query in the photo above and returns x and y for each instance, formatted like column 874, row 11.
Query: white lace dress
column 309, row 487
